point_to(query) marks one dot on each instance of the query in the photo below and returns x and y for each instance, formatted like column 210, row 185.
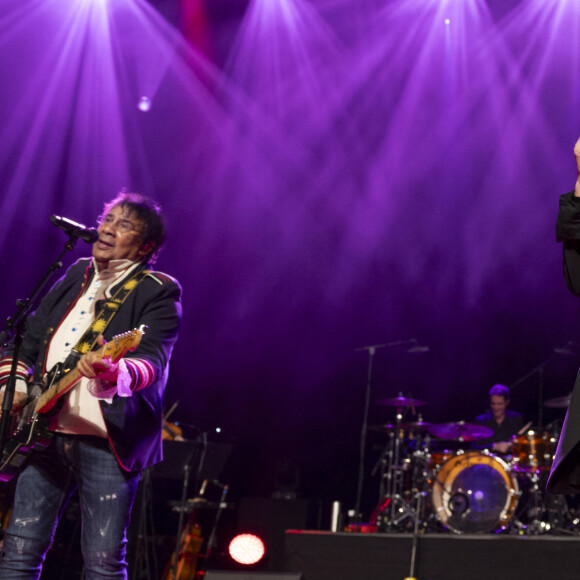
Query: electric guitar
column 32, row 432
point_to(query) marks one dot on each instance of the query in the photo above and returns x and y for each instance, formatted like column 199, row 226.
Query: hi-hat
column 460, row 431
column 558, row 402
column 401, row 402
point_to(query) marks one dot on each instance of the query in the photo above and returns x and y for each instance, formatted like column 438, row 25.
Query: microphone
column 569, row 349
column 89, row 235
column 417, row 348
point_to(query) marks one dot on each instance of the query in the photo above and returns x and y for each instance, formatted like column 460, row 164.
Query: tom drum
column 533, row 451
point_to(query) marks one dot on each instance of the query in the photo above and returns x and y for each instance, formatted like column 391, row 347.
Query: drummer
column 504, row 422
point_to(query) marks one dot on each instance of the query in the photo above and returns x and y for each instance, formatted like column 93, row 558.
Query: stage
column 356, row 556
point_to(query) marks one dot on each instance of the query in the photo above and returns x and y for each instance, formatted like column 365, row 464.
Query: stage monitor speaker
column 219, row 575
column 269, row 519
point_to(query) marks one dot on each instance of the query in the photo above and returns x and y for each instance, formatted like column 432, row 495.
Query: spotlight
column 247, row 549
column 144, row 104
column 447, row 22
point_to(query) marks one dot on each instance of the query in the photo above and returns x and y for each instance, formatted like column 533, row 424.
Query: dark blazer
column 565, row 473
column 134, row 423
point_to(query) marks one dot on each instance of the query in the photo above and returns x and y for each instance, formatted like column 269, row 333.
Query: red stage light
column 247, row 549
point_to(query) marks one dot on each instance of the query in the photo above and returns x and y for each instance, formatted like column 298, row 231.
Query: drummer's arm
column 502, row 446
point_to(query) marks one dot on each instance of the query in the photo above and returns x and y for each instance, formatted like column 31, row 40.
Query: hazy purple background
column 336, row 173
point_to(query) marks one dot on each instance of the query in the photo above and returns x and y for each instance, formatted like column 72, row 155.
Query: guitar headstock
column 120, row 344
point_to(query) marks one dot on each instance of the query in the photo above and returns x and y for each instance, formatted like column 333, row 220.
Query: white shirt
column 81, row 413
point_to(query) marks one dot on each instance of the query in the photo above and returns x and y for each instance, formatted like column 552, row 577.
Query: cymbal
column 558, row 402
column 461, row 431
column 401, row 402
column 416, row 425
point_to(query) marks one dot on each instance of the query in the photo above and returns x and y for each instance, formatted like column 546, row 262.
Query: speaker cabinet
column 269, row 519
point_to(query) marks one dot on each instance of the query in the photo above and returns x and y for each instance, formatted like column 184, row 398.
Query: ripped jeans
column 106, row 494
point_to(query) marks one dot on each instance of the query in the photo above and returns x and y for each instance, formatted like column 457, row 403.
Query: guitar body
column 32, row 433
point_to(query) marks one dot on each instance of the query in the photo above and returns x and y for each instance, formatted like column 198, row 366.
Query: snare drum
column 438, row 458
column 533, row 452
column 474, row 493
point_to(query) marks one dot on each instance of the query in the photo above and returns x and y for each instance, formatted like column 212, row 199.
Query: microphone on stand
column 417, row 348
column 569, row 349
column 89, row 235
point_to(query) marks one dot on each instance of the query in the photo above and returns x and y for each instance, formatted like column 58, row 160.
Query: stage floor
column 387, row 556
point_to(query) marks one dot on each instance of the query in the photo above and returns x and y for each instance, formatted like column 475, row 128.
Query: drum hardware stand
column 394, row 471
column 515, row 524
column 390, row 497
column 537, row 525
column 547, row 519
column 386, row 458
column 397, row 510
column 561, row 509
column 394, row 506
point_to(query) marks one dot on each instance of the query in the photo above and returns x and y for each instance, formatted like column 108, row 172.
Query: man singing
column 109, row 427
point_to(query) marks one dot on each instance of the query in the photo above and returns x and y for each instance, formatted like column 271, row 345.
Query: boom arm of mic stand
column 539, row 370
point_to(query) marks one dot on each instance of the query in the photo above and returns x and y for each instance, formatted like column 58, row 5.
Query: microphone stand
column 14, row 329
column 372, row 349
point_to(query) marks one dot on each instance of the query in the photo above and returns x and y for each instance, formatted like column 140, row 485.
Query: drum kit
column 433, row 477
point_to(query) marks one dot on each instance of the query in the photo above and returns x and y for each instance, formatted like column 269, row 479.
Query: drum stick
column 524, row 428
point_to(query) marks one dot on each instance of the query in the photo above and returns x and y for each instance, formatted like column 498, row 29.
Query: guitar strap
column 106, row 314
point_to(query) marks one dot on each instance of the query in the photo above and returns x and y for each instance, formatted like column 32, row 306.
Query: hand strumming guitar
column 92, row 366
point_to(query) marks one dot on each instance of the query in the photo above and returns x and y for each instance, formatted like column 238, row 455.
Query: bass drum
column 474, row 493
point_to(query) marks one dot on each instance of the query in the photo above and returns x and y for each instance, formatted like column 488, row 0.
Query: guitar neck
column 48, row 399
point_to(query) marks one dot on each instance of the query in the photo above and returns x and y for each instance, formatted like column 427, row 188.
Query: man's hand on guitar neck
column 92, row 366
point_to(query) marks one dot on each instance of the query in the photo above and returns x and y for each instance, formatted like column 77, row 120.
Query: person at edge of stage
column 564, row 477
column 504, row 422
column 109, row 428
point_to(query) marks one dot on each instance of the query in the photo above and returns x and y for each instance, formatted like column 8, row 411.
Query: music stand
column 204, row 459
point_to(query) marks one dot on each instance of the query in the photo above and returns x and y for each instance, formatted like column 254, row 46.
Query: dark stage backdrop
column 336, row 174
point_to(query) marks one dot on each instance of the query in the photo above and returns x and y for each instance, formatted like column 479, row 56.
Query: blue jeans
column 106, row 494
